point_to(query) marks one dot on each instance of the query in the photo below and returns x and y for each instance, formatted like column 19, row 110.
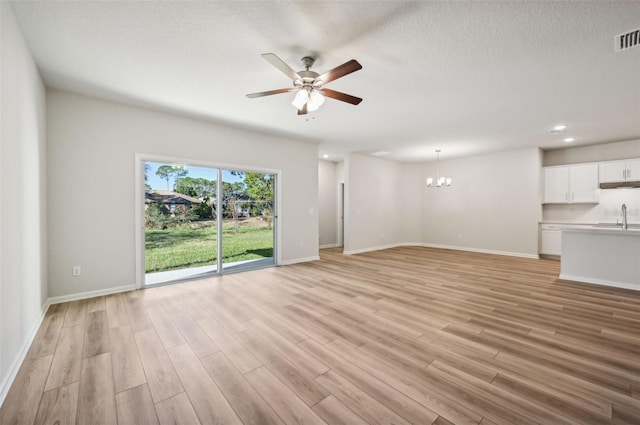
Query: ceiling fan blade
column 269, row 93
column 281, row 65
column 303, row 111
column 339, row 71
column 341, row 96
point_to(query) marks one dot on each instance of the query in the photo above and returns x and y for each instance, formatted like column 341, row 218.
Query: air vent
column 627, row 40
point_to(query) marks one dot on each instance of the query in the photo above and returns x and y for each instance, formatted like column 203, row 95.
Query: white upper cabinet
column 571, row 184
column 633, row 170
column 620, row 171
column 556, row 185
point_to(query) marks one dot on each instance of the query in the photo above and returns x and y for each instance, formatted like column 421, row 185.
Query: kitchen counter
column 604, row 255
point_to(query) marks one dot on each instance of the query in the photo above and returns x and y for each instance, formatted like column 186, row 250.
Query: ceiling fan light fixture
column 315, row 101
column 309, row 84
column 301, row 98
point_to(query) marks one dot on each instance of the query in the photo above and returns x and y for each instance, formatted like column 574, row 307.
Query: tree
column 196, row 187
column 260, row 187
column 168, row 171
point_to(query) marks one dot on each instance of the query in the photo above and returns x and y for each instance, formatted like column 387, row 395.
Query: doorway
column 200, row 220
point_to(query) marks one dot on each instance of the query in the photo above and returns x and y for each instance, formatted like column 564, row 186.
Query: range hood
column 616, row 185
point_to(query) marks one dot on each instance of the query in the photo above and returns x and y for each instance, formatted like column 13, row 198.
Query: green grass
column 180, row 248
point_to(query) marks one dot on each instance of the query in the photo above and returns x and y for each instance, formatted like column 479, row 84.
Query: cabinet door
column 556, row 185
column 633, row 170
column 550, row 242
column 612, row 171
column 583, row 183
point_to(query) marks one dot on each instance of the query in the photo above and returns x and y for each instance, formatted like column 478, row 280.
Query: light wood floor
column 402, row 336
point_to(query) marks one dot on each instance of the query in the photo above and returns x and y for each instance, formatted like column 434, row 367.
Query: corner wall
column 92, row 145
column 374, row 204
column 23, row 199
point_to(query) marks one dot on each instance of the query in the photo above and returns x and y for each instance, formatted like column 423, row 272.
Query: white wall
column 412, row 187
column 92, row 144
column 373, row 203
column 23, row 199
column 328, row 203
column 493, row 204
column 592, row 153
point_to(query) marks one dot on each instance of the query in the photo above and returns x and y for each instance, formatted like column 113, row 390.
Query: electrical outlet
column 76, row 271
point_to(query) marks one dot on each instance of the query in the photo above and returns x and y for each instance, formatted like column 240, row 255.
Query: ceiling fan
column 309, row 84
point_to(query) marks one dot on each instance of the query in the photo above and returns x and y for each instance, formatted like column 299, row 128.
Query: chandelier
column 439, row 180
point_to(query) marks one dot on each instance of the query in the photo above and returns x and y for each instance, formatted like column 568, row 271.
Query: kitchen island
column 604, row 256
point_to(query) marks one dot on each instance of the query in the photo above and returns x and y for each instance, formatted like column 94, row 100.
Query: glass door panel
column 248, row 219
column 180, row 222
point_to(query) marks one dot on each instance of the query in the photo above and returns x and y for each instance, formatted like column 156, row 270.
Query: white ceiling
column 464, row 77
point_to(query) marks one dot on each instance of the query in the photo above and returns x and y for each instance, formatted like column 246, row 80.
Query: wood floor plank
column 205, row 396
column 194, row 334
column 117, row 314
column 59, row 406
column 161, row 376
column 67, row 359
column 127, row 366
column 167, row 330
column 248, row 404
column 292, row 352
column 304, row 386
column 242, row 358
column 333, row 412
column 97, row 303
column 381, row 391
column 96, row 337
column 434, row 404
column 284, row 402
column 96, row 403
column 46, row 339
column 177, row 410
column 139, row 319
column 24, row 395
column 135, row 406
column 76, row 314
column 360, row 402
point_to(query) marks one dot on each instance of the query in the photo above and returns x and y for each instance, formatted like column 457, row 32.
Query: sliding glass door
column 191, row 232
column 248, row 230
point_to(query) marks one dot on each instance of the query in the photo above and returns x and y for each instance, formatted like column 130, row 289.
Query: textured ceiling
column 464, row 77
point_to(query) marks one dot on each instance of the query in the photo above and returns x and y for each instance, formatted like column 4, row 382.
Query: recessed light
column 569, row 139
column 325, row 156
column 558, row 128
column 380, row 153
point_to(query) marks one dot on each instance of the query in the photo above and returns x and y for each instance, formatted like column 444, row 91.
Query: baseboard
column 601, row 282
column 299, row 260
column 373, row 248
column 331, row 245
column 91, row 294
column 428, row 245
column 482, row 251
column 22, row 354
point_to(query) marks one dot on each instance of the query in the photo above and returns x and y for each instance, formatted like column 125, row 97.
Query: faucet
column 624, row 217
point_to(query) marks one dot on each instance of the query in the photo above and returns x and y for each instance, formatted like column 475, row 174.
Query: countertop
column 631, row 231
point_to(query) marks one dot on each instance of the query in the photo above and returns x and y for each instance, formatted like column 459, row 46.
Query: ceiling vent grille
column 627, row 40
